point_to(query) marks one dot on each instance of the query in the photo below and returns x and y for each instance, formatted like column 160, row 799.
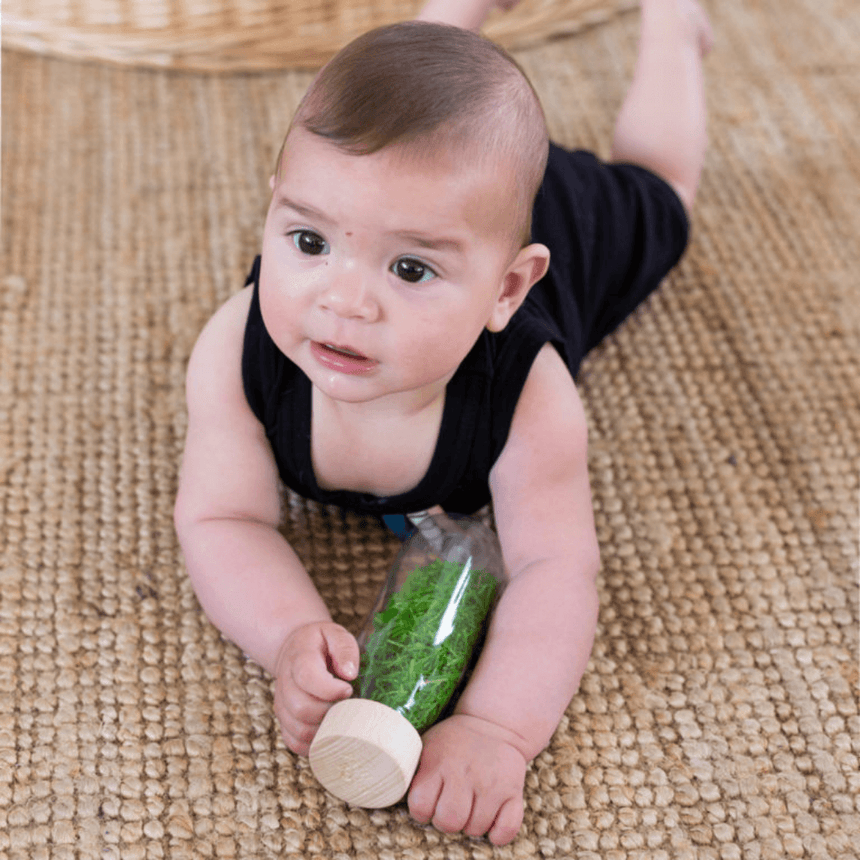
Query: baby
column 432, row 272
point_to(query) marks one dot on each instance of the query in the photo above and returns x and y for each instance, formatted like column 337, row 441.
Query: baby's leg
column 662, row 123
column 700, row 24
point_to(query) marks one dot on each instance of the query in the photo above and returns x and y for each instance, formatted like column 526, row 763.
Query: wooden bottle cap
column 365, row 753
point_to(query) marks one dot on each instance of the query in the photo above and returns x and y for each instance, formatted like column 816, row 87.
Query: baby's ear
column 528, row 267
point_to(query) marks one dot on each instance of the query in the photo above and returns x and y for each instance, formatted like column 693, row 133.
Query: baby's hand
column 315, row 665
column 470, row 778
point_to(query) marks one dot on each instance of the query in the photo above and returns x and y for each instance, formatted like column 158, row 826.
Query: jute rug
column 718, row 718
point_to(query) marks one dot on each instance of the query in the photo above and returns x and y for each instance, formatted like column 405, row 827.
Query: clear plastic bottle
column 416, row 646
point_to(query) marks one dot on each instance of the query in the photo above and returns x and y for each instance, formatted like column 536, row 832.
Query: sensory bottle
column 417, row 645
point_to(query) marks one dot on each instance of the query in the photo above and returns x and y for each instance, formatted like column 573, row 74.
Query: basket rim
column 202, row 43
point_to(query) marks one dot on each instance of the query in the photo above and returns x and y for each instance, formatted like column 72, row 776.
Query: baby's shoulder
column 549, row 414
column 233, row 314
column 215, row 362
column 226, row 327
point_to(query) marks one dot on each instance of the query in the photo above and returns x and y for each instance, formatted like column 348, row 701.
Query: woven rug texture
column 718, row 718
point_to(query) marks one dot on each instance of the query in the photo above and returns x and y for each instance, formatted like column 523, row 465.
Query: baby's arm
column 249, row 581
column 473, row 766
column 662, row 122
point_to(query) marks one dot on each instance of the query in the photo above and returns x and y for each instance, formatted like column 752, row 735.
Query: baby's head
column 398, row 228
column 429, row 90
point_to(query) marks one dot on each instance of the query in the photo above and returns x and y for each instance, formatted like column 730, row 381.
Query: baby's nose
column 349, row 294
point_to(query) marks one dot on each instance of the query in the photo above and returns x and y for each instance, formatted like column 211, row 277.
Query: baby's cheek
column 435, row 354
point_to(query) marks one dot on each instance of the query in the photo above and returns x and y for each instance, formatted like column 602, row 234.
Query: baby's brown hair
column 425, row 86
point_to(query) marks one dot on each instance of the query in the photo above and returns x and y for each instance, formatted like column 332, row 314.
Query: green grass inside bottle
column 422, row 640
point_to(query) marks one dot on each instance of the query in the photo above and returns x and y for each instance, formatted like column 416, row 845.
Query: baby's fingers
column 296, row 734
column 423, row 795
column 299, row 715
column 310, row 674
column 342, row 651
column 508, row 822
column 301, row 706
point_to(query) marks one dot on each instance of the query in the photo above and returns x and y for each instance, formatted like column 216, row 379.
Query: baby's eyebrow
column 433, row 243
column 422, row 240
column 284, row 202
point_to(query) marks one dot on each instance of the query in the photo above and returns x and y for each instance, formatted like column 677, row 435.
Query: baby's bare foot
column 698, row 22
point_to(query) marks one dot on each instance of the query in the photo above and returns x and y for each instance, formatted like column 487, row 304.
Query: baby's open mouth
column 344, row 359
column 344, row 350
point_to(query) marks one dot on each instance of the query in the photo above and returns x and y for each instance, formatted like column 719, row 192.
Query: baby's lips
column 346, row 350
column 343, row 359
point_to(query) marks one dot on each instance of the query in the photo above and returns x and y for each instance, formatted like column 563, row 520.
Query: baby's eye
column 413, row 271
column 309, row 242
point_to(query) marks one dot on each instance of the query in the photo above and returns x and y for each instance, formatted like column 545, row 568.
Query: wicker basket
column 236, row 35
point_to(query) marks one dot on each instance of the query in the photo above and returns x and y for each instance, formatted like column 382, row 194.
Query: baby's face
column 379, row 271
